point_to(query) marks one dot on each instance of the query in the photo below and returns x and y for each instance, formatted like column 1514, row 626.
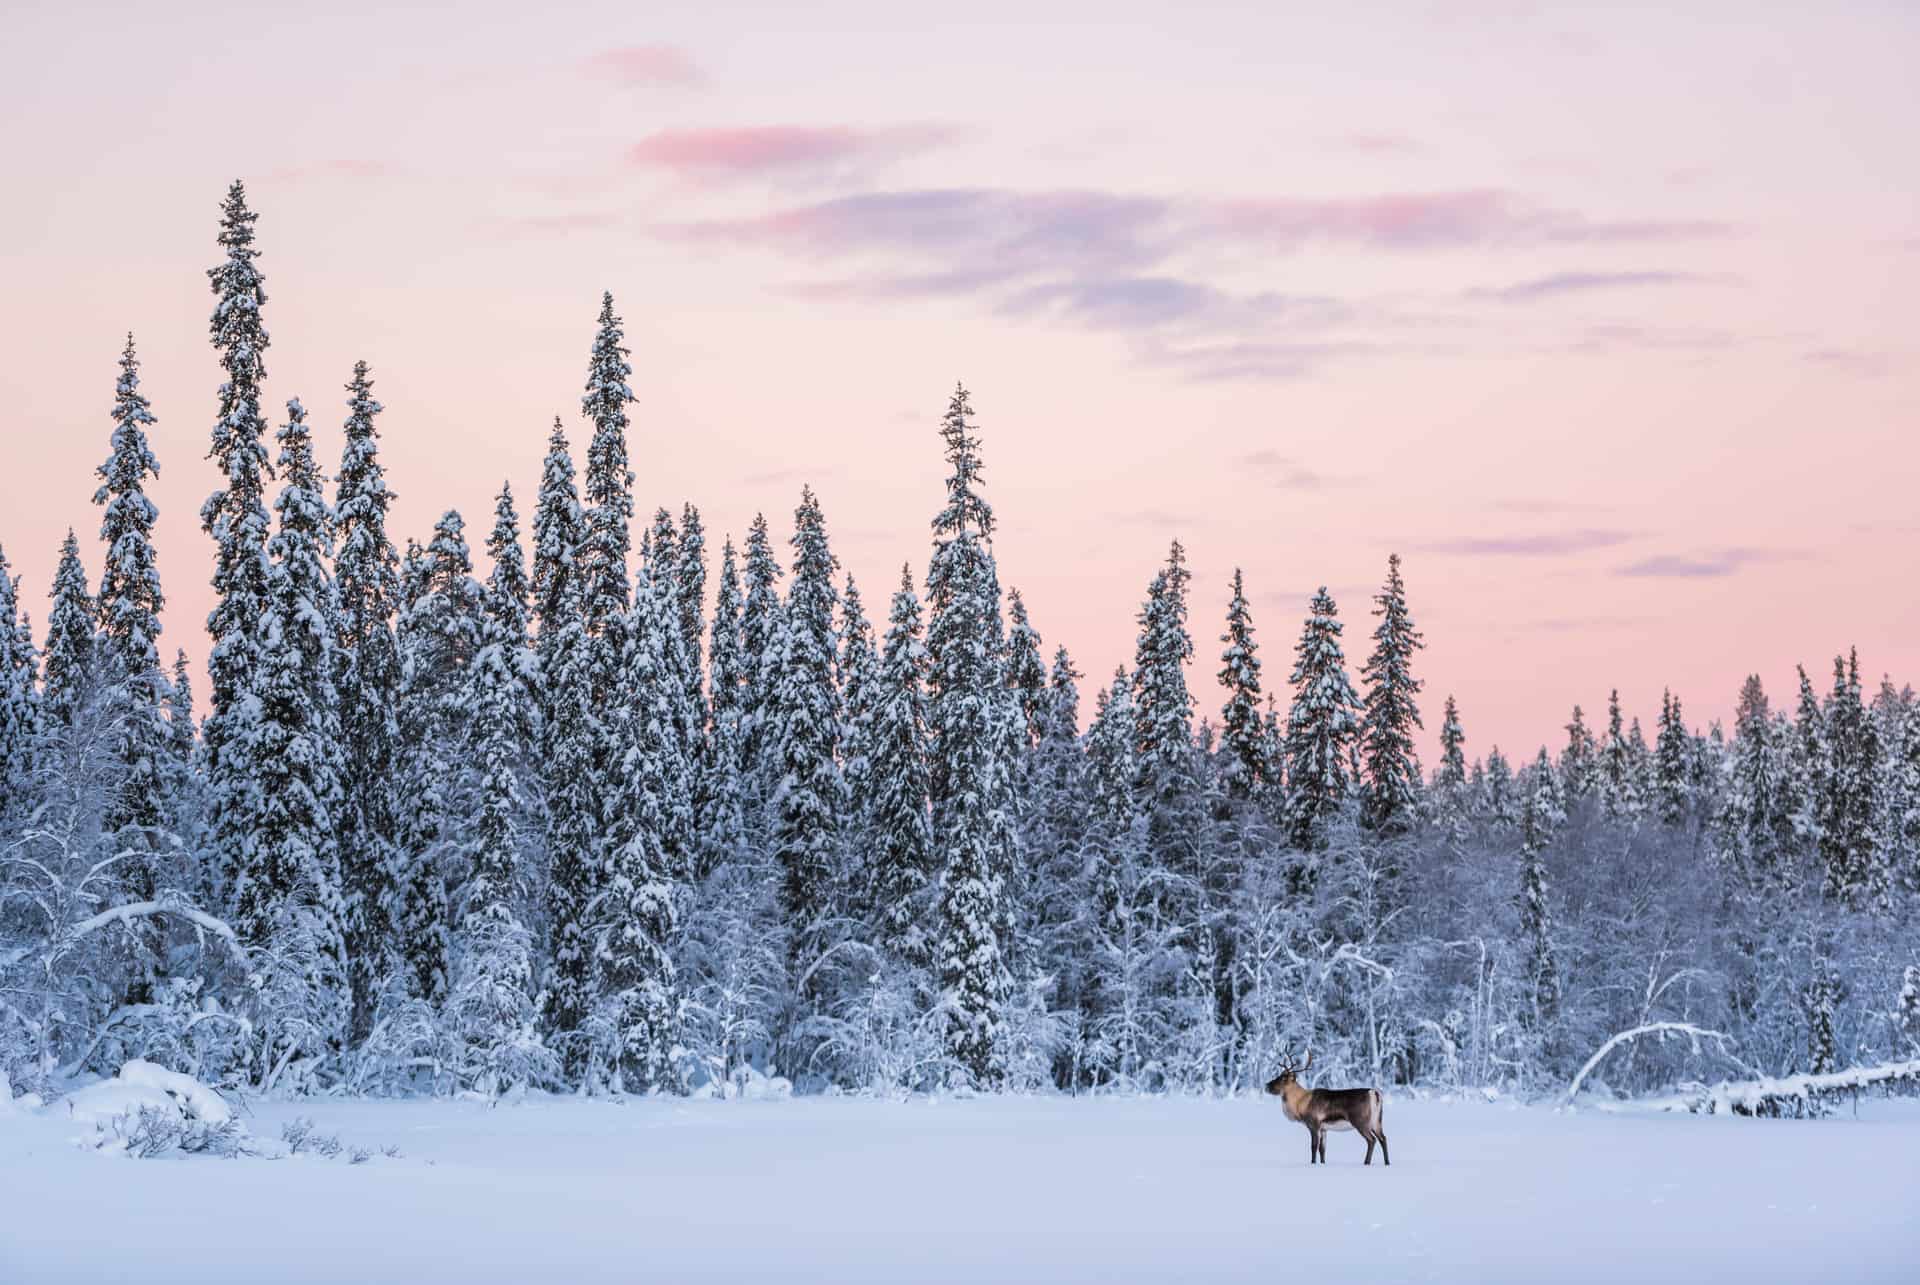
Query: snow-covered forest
column 612, row 805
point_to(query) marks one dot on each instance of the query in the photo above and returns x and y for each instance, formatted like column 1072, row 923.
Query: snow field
column 1009, row 1189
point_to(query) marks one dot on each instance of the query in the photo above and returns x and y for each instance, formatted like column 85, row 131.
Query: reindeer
column 1323, row 1109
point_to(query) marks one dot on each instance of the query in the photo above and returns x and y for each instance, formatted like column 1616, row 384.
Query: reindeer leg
column 1384, row 1159
column 1313, row 1146
column 1369, row 1159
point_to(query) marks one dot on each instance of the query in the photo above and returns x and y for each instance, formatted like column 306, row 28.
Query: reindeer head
column 1289, row 1073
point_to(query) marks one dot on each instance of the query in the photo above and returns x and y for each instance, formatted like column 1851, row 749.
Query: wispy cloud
column 1852, row 361
column 1440, row 220
column 763, row 150
column 1151, row 517
column 1565, row 283
column 1369, row 142
column 647, row 66
column 1121, row 262
column 1703, row 566
column 1075, row 228
column 1546, row 544
column 344, row 167
column 1282, row 472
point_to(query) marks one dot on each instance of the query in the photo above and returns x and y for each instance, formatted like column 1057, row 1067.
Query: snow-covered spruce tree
column 1906, row 1013
column 901, row 873
column 859, row 673
column 964, row 681
column 1850, row 850
column 804, row 716
column 1242, row 736
column 492, row 1004
column 690, row 592
column 1639, row 766
column 1026, row 671
column 649, row 785
column 1447, row 800
column 507, row 605
column 567, row 743
column 720, row 811
column 1391, row 792
column 1498, row 802
column 608, row 483
column 139, row 817
column 1054, row 916
column 1540, row 818
column 236, row 518
column 684, row 702
column 182, row 766
column 367, row 679
column 1321, row 726
column 758, row 623
column 438, row 637
column 1672, row 762
column 69, row 669
column 1807, row 764
column 1754, row 829
column 130, row 603
column 1823, row 997
column 19, row 701
column 293, row 879
column 1619, row 790
column 1579, row 762
column 1903, row 831
column 1163, row 706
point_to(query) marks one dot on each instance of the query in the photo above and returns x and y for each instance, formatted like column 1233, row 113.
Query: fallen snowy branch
column 1795, row 1095
column 1695, row 1033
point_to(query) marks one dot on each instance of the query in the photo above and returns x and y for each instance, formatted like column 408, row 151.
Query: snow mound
column 144, row 1084
column 755, row 1086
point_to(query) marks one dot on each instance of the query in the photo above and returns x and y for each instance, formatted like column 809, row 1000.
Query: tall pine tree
column 293, row 880
column 1392, row 714
column 1321, row 726
column 902, row 872
column 130, row 603
column 805, row 713
column 367, row 679
column 236, row 518
column 964, row 681
column 567, row 746
column 1243, row 738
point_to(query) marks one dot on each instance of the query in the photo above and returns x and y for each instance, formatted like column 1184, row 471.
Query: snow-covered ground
column 1000, row 1190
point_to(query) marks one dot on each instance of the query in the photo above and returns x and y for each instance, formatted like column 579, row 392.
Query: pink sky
column 1604, row 319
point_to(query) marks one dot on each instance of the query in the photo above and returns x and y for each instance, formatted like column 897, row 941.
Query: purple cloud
column 1563, row 283
column 1703, row 566
column 1853, row 361
column 1548, row 544
column 1108, row 261
column 1075, row 226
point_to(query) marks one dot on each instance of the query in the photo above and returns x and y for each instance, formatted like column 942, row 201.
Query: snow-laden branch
column 1696, row 1033
column 1768, row 1095
column 145, row 910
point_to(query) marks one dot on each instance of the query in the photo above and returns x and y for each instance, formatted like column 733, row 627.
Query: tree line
column 590, row 823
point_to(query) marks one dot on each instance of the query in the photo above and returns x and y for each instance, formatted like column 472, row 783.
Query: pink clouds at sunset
column 1298, row 295
column 646, row 66
column 778, row 149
